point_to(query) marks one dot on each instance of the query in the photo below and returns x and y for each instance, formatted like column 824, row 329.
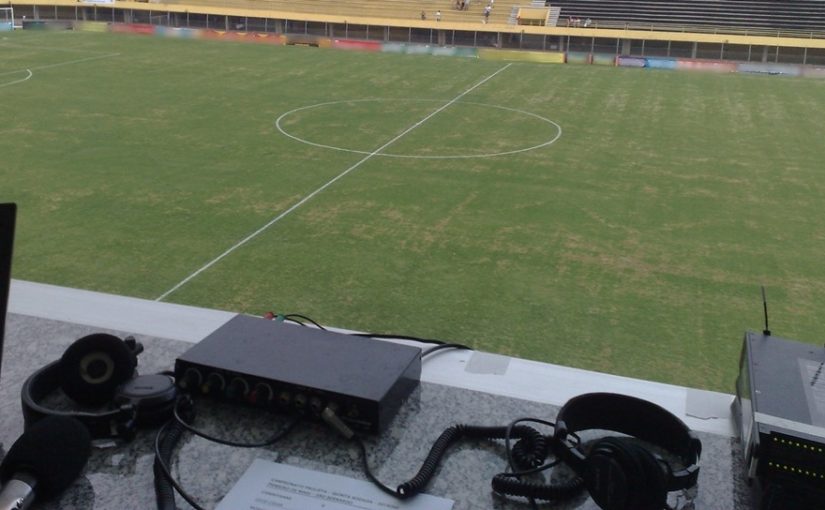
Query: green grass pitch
column 634, row 244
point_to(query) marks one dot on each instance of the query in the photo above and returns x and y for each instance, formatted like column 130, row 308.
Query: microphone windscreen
column 53, row 450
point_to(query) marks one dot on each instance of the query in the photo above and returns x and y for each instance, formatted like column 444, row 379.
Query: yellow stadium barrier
column 92, row 26
column 545, row 57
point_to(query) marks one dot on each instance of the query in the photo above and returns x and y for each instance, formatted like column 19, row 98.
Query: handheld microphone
column 44, row 461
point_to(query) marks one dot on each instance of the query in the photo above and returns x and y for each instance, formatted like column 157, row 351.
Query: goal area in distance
column 6, row 19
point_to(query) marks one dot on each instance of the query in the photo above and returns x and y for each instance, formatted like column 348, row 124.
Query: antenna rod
column 766, row 331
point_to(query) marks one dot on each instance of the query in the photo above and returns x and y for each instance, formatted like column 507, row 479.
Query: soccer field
column 613, row 219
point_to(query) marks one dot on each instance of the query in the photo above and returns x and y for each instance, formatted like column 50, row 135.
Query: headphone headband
column 634, row 417
column 104, row 424
column 98, row 371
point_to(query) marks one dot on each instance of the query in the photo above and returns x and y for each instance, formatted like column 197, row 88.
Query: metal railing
column 703, row 29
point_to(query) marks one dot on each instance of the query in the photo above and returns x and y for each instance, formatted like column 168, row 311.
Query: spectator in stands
column 438, row 15
column 487, row 13
column 587, row 22
column 423, row 16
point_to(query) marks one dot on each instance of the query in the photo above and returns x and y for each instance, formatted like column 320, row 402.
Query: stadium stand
column 671, row 15
column 387, row 9
column 802, row 15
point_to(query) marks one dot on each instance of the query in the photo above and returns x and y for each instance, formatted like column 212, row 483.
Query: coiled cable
column 164, row 491
column 533, row 449
column 508, row 485
column 526, row 456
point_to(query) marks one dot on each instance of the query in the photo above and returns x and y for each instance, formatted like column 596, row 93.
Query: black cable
column 162, row 457
column 164, row 491
column 520, row 456
column 441, row 347
column 529, row 453
column 524, row 458
column 298, row 318
column 384, row 336
column 537, row 448
column 272, row 440
column 293, row 316
column 531, row 462
column 165, row 442
column 511, row 484
column 508, row 486
column 367, row 471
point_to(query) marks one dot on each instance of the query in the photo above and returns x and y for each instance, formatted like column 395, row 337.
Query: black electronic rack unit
column 286, row 367
column 780, row 413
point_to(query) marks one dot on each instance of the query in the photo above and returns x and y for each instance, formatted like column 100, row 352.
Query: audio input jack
column 332, row 419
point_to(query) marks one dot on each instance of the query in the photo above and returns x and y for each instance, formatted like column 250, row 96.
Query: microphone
column 44, row 461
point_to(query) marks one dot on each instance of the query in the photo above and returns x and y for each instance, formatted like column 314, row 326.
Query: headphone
column 100, row 371
column 619, row 473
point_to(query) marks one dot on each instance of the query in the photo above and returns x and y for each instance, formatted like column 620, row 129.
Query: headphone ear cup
column 625, row 476
column 609, row 475
column 94, row 366
column 653, row 494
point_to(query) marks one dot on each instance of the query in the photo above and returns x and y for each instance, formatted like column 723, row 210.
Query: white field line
column 30, row 74
column 7, row 44
column 322, row 188
column 413, row 156
column 45, row 34
column 59, row 64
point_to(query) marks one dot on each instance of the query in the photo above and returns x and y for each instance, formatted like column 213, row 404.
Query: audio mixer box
column 291, row 368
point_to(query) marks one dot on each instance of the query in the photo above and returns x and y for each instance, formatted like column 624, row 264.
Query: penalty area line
column 30, row 74
column 329, row 183
column 78, row 61
column 59, row 64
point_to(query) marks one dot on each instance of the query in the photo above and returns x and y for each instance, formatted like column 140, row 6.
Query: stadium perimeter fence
column 584, row 45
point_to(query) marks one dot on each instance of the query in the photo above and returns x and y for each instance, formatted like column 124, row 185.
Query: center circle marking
column 412, row 156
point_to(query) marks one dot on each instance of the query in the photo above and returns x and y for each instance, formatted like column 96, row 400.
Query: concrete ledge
column 498, row 375
column 139, row 316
